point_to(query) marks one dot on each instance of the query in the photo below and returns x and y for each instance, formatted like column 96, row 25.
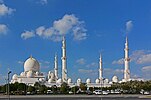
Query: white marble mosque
column 32, row 72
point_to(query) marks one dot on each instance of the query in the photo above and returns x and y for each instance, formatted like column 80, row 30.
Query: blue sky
column 91, row 27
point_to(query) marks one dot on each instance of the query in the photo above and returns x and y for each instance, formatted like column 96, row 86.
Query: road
column 77, row 97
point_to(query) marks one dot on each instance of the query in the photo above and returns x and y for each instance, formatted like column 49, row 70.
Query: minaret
column 64, row 63
column 100, row 70
column 127, row 59
column 31, row 56
column 56, row 66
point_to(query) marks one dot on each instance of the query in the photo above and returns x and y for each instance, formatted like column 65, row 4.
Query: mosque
column 32, row 73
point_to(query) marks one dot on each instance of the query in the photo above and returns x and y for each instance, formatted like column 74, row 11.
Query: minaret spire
column 127, row 59
column 100, row 69
column 126, row 40
column 56, row 66
column 64, row 63
column 31, row 56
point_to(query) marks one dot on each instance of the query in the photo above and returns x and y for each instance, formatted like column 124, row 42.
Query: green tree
column 43, row 89
column 31, row 89
column 83, row 86
column 37, row 85
column 4, row 88
column 54, row 89
column 21, row 87
column 64, row 88
column 74, row 89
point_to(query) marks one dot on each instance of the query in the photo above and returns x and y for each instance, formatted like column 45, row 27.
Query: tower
column 56, row 66
column 64, row 59
column 127, row 59
column 100, row 70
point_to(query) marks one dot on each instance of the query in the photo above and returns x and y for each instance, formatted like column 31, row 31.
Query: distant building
column 32, row 74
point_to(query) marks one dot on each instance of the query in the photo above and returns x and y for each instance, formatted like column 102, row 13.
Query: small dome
column 51, row 75
column 37, row 73
column 29, row 74
column 97, row 81
column 49, row 72
column 51, row 81
column 110, row 82
column 31, row 64
column 79, row 81
column 69, row 81
column 14, row 81
column 115, row 79
column 59, row 81
column 123, row 80
column 41, row 79
column 88, row 81
column 22, row 74
column 20, row 80
column 106, row 80
column 15, row 77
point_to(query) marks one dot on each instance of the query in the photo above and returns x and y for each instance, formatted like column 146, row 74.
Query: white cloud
column 56, row 38
column 144, row 59
column 45, row 32
column 146, row 68
column 119, row 71
column 3, row 29
column 135, row 76
column 44, row 63
column 40, row 30
column 4, row 10
column 138, row 57
column 137, row 54
column 45, row 67
column 68, row 24
column 20, row 62
column 120, row 61
column 43, row 2
column 93, row 64
column 113, row 71
column 141, row 56
column 27, row 34
column 85, row 71
column 64, row 25
column 129, row 26
column 39, row 2
column 79, row 33
column 108, row 72
column 146, row 72
column 81, row 61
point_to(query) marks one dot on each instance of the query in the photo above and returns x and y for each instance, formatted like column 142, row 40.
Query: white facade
column 88, row 81
column 31, row 73
column 31, row 64
column 64, row 63
column 127, row 59
column 115, row 79
column 100, row 81
column 56, row 67
column 101, row 69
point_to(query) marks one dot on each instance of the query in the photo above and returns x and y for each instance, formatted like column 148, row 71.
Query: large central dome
column 31, row 64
